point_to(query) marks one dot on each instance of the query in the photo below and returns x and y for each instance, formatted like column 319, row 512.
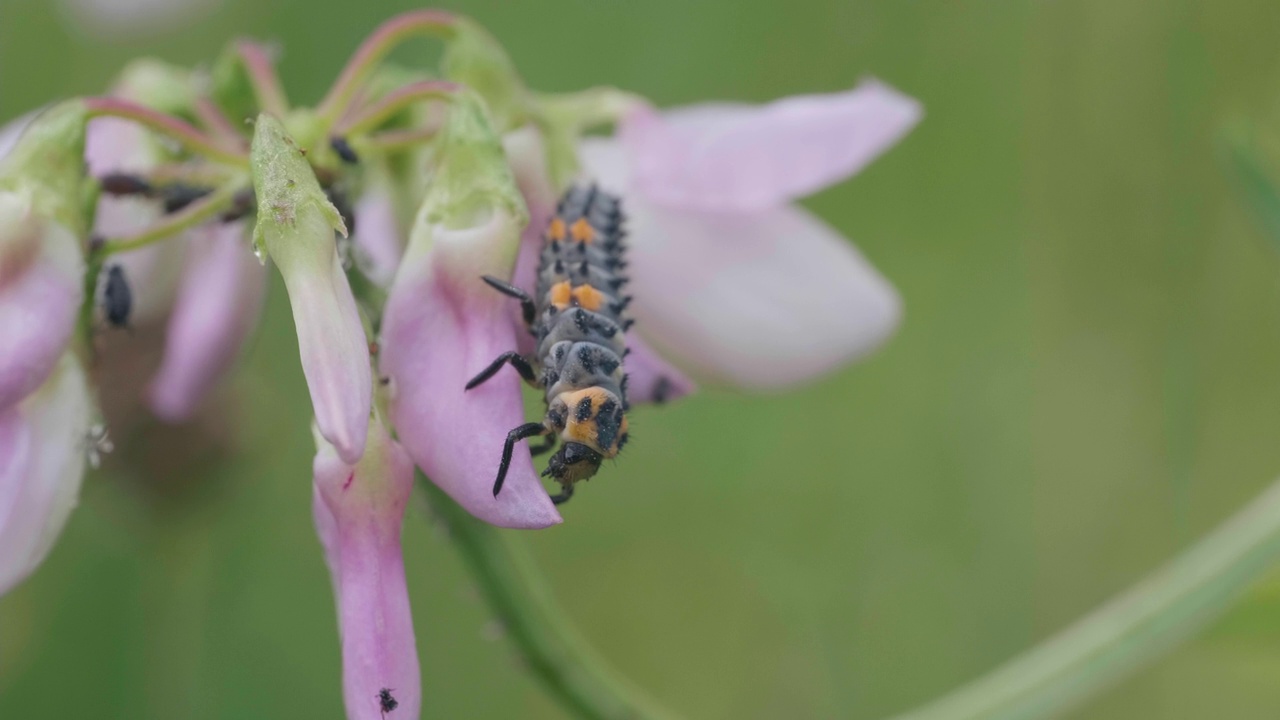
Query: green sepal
column 474, row 58
column 472, row 174
column 285, row 186
column 48, row 163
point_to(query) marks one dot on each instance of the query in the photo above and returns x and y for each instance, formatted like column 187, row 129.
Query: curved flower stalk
column 41, row 464
column 296, row 225
column 441, row 323
column 216, row 309
column 358, row 513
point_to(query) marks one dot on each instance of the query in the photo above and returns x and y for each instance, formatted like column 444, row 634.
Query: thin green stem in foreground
column 1134, row 628
column 202, row 210
column 568, row 668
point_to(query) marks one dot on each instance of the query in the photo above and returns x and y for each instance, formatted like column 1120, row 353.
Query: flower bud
column 296, row 225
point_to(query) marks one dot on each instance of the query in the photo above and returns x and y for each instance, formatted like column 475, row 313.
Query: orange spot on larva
column 581, row 231
column 556, row 231
column 588, row 297
column 561, row 294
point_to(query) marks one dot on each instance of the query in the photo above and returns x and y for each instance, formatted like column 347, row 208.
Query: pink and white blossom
column 358, row 511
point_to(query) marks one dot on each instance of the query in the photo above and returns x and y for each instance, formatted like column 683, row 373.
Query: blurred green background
column 1085, row 383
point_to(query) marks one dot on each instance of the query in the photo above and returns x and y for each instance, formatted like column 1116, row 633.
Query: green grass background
column 1087, row 380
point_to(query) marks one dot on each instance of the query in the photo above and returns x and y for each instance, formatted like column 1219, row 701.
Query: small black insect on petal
column 387, row 702
column 344, row 150
column 117, row 298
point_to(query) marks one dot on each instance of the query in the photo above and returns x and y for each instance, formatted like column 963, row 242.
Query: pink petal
column 216, row 310
column 334, row 354
column 786, row 299
column 442, row 325
column 359, row 512
column 40, row 294
column 742, row 158
column 41, row 466
column 649, row 377
column 379, row 242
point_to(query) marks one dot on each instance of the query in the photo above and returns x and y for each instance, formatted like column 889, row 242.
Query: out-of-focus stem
column 433, row 23
column 187, row 135
column 261, row 70
column 396, row 140
column 1130, row 630
column 206, row 208
column 216, row 121
column 568, row 668
column 395, row 101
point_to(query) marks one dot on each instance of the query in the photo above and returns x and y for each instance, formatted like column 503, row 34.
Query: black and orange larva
column 579, row 324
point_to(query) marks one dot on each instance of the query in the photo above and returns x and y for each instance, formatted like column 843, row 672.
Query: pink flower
column 358, row 514
column 296, row 225
column 42, row 450
column 41, row 266
column 441, row 324
column 731, row 282
column 216, row 309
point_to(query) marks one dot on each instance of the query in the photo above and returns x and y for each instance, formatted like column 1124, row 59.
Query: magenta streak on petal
column 741, row 158
column 359, row 512
column 38, row 306
column 436, row 337
column 214, row 313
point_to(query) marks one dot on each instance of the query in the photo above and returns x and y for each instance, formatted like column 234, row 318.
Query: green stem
column 568, row 668
column 261, row 70
column 202, row 210
column 1130, row 630
column 397, row 100
column 436, row 23
column 187, row 135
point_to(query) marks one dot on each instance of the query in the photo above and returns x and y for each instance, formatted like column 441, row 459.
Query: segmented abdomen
column 581, row 319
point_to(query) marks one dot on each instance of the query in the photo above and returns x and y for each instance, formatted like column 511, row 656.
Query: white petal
column 733, row 157
column 758, row 300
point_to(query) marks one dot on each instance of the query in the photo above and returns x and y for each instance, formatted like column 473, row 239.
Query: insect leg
column 566, row 492
column 526, row 430
column 527, row 308
column 521, row 365
column 544, row 447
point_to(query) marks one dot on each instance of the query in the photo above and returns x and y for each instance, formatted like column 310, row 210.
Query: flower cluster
column 381, row 208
